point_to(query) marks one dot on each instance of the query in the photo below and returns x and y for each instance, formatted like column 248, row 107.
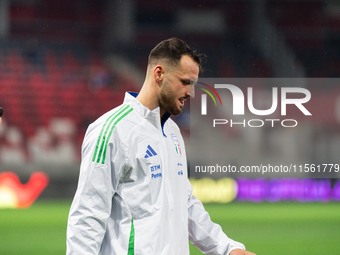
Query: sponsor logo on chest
column 156, row 171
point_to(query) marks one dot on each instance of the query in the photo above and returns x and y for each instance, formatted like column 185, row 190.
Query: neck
column 148, row 97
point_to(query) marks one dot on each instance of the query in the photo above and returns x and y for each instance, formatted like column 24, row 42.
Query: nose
column 191, row 91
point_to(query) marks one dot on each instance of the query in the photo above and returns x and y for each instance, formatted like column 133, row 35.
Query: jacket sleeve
column 91, row 206
column 205, row 234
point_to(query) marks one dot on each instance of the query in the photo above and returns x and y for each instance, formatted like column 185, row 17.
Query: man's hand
column 241, row 252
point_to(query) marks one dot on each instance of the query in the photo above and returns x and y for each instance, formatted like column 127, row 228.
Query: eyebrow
column 187, row 80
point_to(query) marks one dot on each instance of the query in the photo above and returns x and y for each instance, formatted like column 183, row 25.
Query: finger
column 241, row 252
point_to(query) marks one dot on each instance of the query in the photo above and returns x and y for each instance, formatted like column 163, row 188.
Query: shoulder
column 106, row 124
column 110, row 130
column 113, row 117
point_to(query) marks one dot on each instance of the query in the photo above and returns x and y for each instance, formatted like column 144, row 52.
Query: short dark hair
column 172, row 50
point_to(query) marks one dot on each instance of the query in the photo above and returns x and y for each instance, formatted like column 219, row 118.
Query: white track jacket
column 133, row 195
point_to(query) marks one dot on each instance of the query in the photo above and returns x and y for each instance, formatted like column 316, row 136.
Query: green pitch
column 274, row 229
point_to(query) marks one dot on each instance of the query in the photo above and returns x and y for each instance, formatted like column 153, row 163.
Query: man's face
column 178, row 85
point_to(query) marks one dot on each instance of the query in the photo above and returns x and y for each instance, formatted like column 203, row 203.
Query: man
column 133, row 195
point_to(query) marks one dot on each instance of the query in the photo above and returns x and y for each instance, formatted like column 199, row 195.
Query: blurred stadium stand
column 55, row 77
column 313, row 33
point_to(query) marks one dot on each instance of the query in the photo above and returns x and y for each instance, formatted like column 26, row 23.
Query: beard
column 169, row 101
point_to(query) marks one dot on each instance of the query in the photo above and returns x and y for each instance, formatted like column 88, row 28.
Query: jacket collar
column 151, row 115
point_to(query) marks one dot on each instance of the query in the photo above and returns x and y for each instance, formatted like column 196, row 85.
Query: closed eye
column 187, row 82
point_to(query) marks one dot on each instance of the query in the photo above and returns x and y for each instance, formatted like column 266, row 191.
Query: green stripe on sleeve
column 111, row 131
column 103, row 130
column 106, row 132
column 131, row 249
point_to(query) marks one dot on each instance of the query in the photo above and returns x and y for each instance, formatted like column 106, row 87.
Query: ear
column 158, row 74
